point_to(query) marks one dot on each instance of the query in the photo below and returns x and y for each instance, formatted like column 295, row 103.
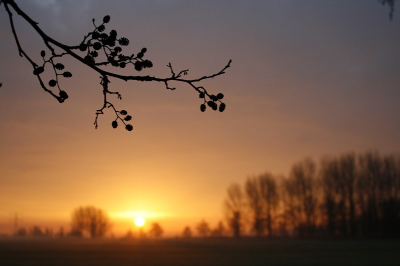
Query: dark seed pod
column 222, row 107
column 138, row 66
column 110, row 42
column 97, row 46
column 144, row 50
column 202, row 107
column 89, row 59
column 52, row 83
column 140, row 55
column 114, row 124
column 213, row 97
column 63, row 95
column 95, row 35
column 43, row 53
column 83, row 47
column 128, row 118
column 59, row 66
column 210, row 103
column 201, row 95
column 215, row 107
column 129, row 127
column 147, row 63
column 117, row 49
column 123, row 112
column 106, row 19
column 113, row 34
column 122, row 65
column 104, row 36
column 38, row 70
column 94, row 53
column 67, row 74
column 101, row 28
column 123, row 41
column 220, row 96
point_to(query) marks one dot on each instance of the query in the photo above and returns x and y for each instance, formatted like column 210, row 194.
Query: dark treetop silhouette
column 93, row 44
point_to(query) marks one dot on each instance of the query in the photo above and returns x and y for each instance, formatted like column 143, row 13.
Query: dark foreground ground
column 200, row 252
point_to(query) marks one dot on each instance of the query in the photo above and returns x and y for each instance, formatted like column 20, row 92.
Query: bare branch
column 98, row 41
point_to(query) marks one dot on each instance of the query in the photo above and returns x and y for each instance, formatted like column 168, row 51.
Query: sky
column 308, row 78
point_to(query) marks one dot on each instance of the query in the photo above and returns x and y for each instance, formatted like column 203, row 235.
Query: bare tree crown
column 99, row 49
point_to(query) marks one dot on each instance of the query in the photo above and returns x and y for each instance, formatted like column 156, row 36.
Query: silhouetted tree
column 156, row 230
column 339, row 177
column 219, row 231
column 22, row 232
column 347, row 166
column 234, row 208
column 90, row 220
column 187, row 232
column 270, row 199
column 301, row 197
column 203, row 229
column 36, row 231
column 359, row 195
column 255, row 204
column 369, row 193
column 329, row 177
column 99, row 49
column 390, row 205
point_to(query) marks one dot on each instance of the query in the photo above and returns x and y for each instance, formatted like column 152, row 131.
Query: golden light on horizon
column 139, row 221
column 141, row 213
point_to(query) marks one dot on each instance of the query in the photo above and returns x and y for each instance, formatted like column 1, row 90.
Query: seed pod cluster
column 213, row 102
column 127, row 117
column 98, row 40
column 57, row 67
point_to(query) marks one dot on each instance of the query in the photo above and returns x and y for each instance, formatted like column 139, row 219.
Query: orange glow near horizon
column 144, row 214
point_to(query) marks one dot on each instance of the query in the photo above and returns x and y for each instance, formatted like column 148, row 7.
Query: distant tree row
column 155, row 231
column 89, row 222
column 343, row 196
column 37, row 231
column 204, row 230
column 86, row 221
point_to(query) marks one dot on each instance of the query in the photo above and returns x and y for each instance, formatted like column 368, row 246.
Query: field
column 199, row 252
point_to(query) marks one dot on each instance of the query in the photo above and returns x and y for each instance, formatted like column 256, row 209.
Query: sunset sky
column 308, row 78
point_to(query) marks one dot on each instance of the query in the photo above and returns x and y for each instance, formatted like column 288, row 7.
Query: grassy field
column 199, row 252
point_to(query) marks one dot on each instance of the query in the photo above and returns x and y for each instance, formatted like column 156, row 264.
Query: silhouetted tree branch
column 390, row 3
column 96, row 45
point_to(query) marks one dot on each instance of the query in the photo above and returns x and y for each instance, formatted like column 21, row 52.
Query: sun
column 139, row 221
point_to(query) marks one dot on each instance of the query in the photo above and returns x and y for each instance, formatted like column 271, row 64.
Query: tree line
column 351, row 195
column 86, row 222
